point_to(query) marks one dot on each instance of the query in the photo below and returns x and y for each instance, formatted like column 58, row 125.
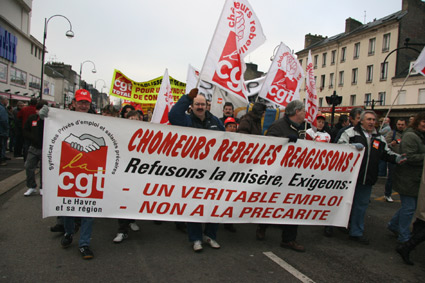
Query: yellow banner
column 142, row 92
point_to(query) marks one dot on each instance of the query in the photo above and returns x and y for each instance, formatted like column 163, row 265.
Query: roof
column 395, row 16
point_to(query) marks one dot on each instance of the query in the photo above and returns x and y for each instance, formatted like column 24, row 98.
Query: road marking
column 288, row 267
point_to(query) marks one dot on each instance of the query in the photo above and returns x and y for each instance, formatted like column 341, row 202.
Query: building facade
column 359, row 64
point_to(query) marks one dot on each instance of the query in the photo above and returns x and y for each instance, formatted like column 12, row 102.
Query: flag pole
column 395, row 99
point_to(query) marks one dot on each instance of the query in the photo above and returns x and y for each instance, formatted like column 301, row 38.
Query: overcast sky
column 142, row 38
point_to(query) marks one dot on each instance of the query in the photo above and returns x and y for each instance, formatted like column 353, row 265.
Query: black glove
column 193, row 93
column 292, row 138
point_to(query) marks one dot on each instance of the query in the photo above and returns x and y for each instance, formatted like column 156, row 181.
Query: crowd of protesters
column 398, row 153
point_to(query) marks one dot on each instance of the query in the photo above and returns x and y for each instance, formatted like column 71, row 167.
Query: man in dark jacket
column 33, row 132
column 228, row 111
column 250, row 123
column 364, row 135
column 291, row 126
column 199, row 118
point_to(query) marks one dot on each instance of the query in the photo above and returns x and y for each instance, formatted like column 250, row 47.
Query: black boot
column 404, row 250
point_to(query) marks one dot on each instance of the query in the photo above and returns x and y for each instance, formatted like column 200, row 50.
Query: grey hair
column 367, row 112
column 293, row 106
column 3, row 98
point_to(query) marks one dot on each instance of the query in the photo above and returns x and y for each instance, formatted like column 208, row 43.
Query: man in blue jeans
column 364, row 136
column 199, row 118
column 82, row 104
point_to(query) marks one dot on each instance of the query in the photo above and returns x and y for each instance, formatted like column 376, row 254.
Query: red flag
column 419, row 65
column 311, row 102
column 237, row 34
column 164, row 101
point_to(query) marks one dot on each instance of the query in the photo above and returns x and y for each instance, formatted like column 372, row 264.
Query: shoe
column 134, row 227
column 40, row 191
column 404, row 250
column 181, row 226
column 389, row 199
column 360, row 239
column 211, row 242
column 3, row 163
column 293, row 245
column 120, row 237
column 86, row 252
column 66, row 240
column 57, row 228
column 328, row 231
column 230, row 227
column 7, row 158
column 197, row 246
column 395, row 232
column 30, row 191
column 260, row 234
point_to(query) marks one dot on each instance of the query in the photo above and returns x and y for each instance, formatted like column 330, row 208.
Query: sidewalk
column 12, row 174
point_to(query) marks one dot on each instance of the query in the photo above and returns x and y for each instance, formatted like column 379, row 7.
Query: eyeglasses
column 199, row 104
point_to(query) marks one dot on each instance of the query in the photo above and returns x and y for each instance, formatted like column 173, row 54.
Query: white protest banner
column 136, row 170
column 164, row 101
column 311, row 103
column 237, row 34
column 283, row 79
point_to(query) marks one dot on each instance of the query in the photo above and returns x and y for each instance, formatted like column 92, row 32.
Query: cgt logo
column 282, row 88
column 82, row 167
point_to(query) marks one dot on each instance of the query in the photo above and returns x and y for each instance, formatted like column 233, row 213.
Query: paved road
column 29, row 252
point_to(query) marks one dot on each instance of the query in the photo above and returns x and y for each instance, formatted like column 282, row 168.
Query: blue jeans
column 195, row 231
column 358, row 210
column 389, row 183
column 85, row 229
column 33, row 158
column 382, row 168
column 403, row 218
column 3, row 145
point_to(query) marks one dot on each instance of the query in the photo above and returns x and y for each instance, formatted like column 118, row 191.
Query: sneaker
column 211, row 242
column 197, row 246
column 41, row 192
column 360, row 239
column 86, row 252
column 120, row 237
column 389, row 199
column 30, row 191
column 57, row 228
column 293, row 245
column 134, row 227
column 66, row 240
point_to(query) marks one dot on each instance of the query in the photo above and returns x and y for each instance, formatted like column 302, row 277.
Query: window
column 343, row 54
column 316, row 58
column 402, row 97
column 354, row 76
column 34, row 82
column 369, row 73
column 324, row 55
column 18, row 77
column 333, row 57
column 322, row 82
column 381, row 98
column 32, row 49
column 35, row 52
column 352, row 100
column 384, row 71
column 356, row 50
column 301, row 62
column 3, row 73
column 371, row 50
column 320, row 101
column 421, row 96
column 341, row 78
column 367, row 99
column 386, row 42
column 331, row 80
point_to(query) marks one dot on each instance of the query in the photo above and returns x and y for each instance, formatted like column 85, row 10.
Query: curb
column 11, row 182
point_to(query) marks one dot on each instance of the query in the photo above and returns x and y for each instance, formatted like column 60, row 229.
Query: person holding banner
column 291, row 126
column 199, row 118
column 250, row 123
column 364, row 136
column 407, row 177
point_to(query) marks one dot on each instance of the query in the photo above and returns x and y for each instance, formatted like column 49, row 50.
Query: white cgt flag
column 164, row 101
column 419, row 65
column 311, row 102
column 237, row 34
column 283, row 80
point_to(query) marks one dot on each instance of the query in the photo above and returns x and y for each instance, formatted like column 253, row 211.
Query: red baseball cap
column 82, row 94
column 229, row 120
column 321, row 116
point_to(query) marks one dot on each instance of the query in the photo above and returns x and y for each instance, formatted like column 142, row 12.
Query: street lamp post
column 69, row 34
column 101, row 90
column 81, row 69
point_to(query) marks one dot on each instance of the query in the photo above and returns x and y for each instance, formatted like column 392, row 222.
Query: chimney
column 312, row 39
column 351, row 24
